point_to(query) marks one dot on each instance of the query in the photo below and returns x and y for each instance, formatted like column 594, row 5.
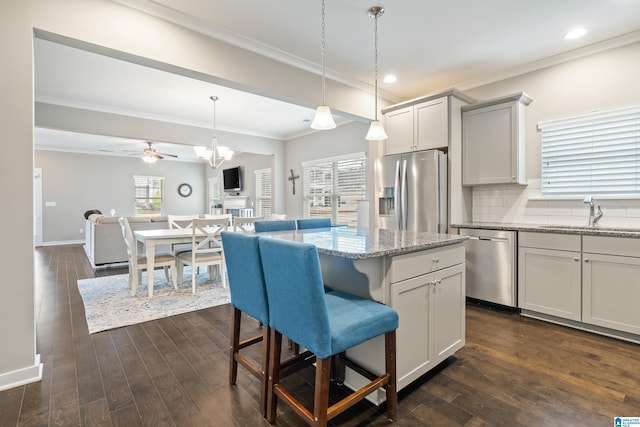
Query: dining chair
column 325, row 324
column 306, row 223
column 274, row 225
column 206, row 249
column 249, row 296
column 137, row 263
column 244, row 223
column 180, row 222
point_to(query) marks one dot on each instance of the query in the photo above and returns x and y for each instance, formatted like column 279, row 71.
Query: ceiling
column 429, row 44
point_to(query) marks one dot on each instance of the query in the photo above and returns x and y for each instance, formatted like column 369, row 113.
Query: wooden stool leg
column 235, row 345
column 274, row 374
column 321, row 398
column 390, row 367
column 266, row 346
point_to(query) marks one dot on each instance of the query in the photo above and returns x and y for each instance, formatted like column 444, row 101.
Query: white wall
column 345, row 139
column 604, row 80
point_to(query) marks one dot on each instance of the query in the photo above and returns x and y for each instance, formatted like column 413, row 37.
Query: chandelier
column 215, row 154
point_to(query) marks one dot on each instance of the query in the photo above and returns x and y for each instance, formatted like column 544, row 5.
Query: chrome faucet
column 594, row 216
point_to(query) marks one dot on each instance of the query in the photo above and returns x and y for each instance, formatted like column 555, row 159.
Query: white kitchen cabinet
column 549, row 274
column 435, row 303
column 494, row 141
column 418, row 127
column 611, row 283
column 399, row 128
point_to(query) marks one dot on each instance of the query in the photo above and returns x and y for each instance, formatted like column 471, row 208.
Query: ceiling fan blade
column 169, row 155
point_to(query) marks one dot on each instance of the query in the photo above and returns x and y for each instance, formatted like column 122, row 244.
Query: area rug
column 108, row 303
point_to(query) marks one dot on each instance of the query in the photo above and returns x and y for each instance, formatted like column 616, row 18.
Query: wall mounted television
column 232, row 179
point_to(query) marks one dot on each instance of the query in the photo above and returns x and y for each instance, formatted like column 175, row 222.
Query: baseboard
column 22, row 376
column 63, row 242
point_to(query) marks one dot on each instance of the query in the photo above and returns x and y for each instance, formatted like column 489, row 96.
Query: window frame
column 147, row 199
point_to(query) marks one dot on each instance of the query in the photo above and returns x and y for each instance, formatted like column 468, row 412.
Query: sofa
column 104, row 243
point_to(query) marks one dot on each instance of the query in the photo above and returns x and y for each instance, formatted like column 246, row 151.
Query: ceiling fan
column 150, row 155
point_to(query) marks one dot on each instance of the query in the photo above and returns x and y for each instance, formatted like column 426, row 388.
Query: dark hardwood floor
column 513, row 371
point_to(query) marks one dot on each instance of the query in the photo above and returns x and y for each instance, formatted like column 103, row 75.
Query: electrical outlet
column 81, row 230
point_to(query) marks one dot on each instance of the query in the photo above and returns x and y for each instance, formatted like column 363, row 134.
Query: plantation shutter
column 332, row 188
column 596, row 153
column 264, row 203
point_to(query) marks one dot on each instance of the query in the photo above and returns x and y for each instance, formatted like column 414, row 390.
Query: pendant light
column 215, row 154
column 323, row 119
column 376, row 130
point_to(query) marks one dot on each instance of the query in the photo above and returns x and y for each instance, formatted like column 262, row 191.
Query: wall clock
column 184, row 190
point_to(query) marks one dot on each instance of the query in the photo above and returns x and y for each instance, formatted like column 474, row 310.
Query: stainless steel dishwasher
column 491, row 265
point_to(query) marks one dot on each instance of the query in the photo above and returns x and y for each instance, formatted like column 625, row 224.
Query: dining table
column 149, row 240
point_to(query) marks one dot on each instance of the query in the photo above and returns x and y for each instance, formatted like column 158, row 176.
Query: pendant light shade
column 215, row 154
column 376, row 130
column 323, row 119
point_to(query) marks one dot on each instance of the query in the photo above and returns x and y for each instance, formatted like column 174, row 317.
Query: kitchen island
column 421, row 275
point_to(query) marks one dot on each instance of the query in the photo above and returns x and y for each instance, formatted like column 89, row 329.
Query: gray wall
column 249, row 163
column 118, row 28
column 79, row 182
column 345, row 139
column 604, row 80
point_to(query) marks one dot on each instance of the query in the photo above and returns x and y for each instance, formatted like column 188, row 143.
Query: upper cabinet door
column 418, row 127
column 431, row 120
column 399, row 127
column 494, row 141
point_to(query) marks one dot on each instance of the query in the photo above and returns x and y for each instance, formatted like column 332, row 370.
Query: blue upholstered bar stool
column 325, row 324
column 306, row 223
column 275, row 225
column 248, row 295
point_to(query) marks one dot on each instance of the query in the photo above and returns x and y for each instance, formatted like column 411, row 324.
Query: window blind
column 147, row 197
column 264, row 203
column 596, row 153
column 215, row 195
column 332, row 188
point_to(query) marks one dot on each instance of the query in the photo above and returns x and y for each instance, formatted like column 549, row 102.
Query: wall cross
column 293, row 178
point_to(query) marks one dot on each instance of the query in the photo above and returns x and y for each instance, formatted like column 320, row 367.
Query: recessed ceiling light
column 575, row 33
column 390, row 78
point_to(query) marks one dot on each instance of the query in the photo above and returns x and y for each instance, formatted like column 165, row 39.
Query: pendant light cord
column 322, row 54
column 375, row 60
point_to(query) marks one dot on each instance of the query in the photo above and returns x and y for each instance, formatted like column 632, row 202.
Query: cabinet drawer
column 560, row 242
column 623, row 246
column 417, row 263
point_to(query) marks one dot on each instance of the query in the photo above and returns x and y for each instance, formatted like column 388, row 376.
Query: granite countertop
column 551, row 228
column 362, row 243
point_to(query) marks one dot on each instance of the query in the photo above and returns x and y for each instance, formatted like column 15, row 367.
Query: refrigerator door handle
column 405, row 195
column 397, row 201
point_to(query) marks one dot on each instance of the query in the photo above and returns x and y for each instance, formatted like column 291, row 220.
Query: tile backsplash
column 507, row 203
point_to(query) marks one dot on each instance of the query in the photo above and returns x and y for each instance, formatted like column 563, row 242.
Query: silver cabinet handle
column 586, row 260
column 576, row 259
column 436, row 260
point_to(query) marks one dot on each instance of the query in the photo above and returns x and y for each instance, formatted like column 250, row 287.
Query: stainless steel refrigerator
column 411, row 190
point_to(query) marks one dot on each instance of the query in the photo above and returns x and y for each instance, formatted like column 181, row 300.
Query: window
column 332, row 188
column 215, row 198
column 147, row 195
column 264, row 205
column 596, row 153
